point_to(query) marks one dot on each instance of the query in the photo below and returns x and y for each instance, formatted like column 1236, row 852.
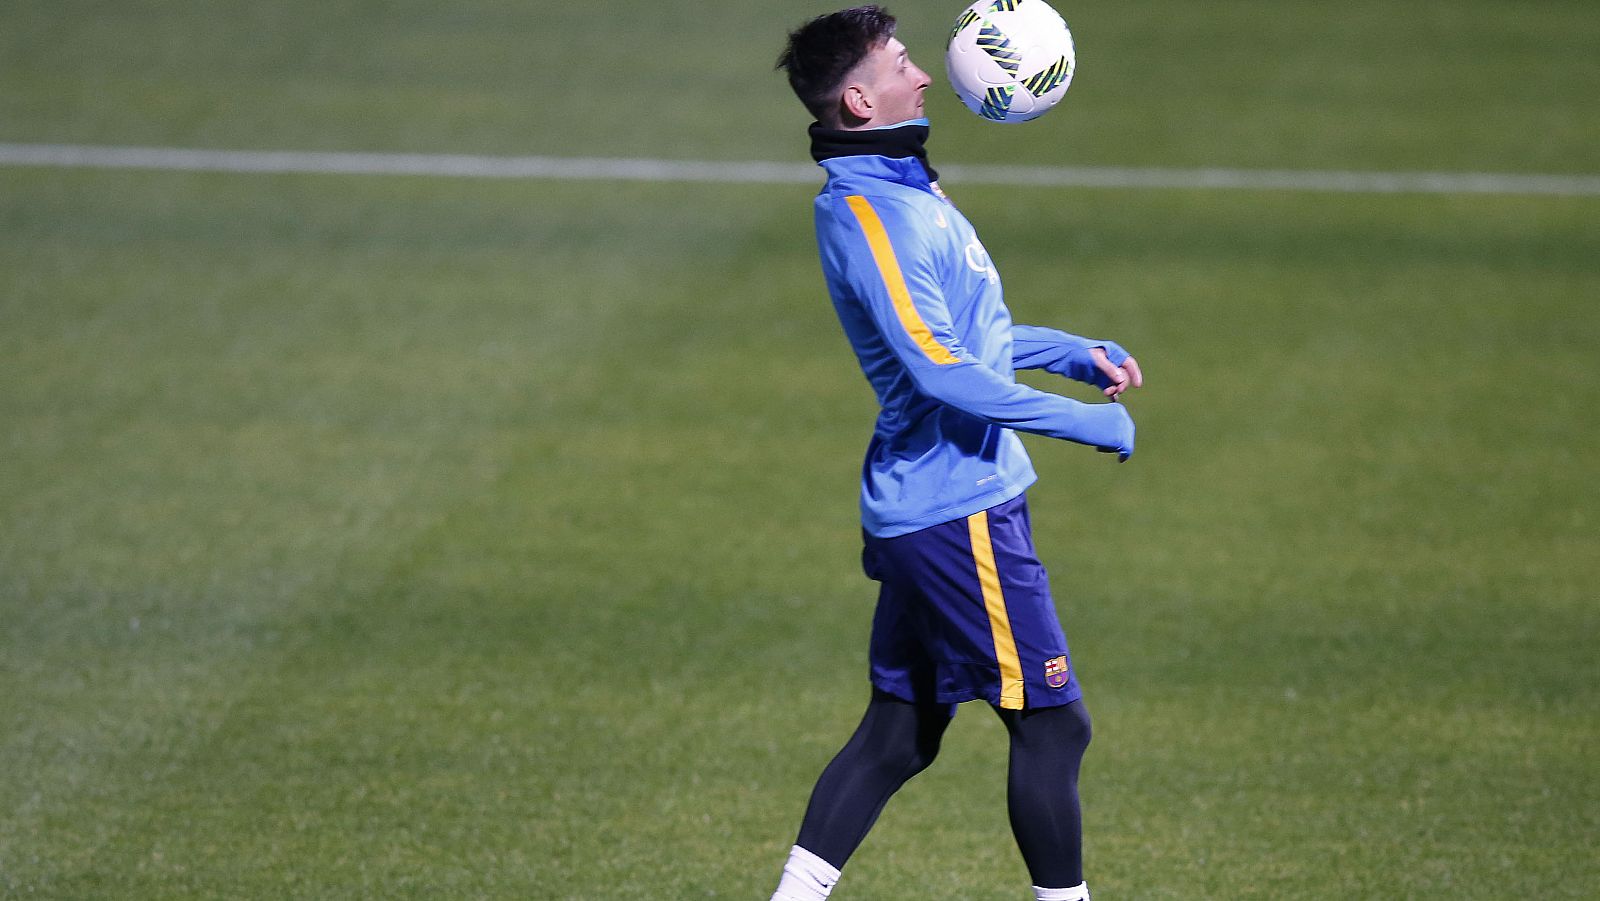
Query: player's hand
column 1121, row 377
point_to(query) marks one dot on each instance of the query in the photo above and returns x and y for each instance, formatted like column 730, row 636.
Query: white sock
column 1079, row 892
column 806, row 877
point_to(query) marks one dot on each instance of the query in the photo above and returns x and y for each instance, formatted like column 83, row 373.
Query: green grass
column 401, row 537
column 1472, row 85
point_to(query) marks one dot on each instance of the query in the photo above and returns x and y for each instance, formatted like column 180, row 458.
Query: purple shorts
column 965, row 613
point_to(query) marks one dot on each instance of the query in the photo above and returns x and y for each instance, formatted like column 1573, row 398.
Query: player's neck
column 898, row 141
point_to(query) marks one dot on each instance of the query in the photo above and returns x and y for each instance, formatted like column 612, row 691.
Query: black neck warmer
column 896, row 143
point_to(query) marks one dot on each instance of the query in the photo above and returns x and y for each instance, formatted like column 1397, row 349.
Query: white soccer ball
column 1010, row 60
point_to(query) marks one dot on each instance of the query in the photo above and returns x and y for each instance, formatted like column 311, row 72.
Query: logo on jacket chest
column 976, row 254
column 978, row 260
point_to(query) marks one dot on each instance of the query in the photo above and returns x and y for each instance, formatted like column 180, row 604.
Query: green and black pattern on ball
column 1002, row 6
column 966, row 18
column 1047, row 80
column 996, row 102
column 994, row 42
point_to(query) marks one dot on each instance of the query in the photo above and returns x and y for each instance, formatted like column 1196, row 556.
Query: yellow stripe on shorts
column 994, row 601
column 895, row 281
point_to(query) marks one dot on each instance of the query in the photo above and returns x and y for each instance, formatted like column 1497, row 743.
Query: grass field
column 409, row 537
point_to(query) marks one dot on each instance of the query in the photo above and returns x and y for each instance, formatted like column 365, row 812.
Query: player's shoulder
column 880, row 192
column 900, row 210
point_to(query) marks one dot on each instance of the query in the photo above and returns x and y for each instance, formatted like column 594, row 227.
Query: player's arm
column 1103, row 364
column 891, row 268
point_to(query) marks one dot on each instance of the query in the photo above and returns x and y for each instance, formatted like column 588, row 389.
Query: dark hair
column 822, row 52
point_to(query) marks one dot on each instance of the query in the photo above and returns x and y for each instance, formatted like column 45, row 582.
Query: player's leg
column 1049, row 730
column 896, row 740
column 898, row 737
column 1047, row 745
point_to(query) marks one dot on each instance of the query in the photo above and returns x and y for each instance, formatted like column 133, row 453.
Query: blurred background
column 401, row 536
column 1443, row 84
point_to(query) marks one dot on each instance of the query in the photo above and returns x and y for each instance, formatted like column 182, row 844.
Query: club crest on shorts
column 1055, row 672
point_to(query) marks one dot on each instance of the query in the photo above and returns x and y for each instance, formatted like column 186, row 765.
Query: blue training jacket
column 921, row 303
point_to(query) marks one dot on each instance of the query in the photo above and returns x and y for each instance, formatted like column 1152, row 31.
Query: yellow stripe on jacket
column 893, row 280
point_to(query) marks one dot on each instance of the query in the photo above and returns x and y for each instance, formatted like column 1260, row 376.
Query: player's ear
column 855, row 103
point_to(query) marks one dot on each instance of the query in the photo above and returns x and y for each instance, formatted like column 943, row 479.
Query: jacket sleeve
column 1036, row 347
column 890, row 265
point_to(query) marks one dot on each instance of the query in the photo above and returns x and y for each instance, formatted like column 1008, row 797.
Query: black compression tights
column 896, row 740
column 1047, row 743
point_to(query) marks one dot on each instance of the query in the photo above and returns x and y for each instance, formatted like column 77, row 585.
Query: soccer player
column 964, row 609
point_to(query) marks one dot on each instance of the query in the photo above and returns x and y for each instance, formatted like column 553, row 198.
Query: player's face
column 897, row 84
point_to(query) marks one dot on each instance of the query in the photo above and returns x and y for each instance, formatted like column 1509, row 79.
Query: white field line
column 174, row 159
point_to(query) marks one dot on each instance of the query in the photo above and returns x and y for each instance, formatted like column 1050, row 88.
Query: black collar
column 898, row 142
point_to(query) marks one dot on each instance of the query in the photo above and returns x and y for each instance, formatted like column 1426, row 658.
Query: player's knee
column 1065, row 729
column 1078, row 729
column 900, row 740
column 902, row 760
column 922, row 756
column 896, row 758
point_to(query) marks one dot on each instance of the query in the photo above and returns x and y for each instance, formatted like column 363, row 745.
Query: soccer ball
column 1010, row 60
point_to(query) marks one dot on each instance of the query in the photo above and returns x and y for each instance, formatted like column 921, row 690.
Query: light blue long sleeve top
column 921, row 304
